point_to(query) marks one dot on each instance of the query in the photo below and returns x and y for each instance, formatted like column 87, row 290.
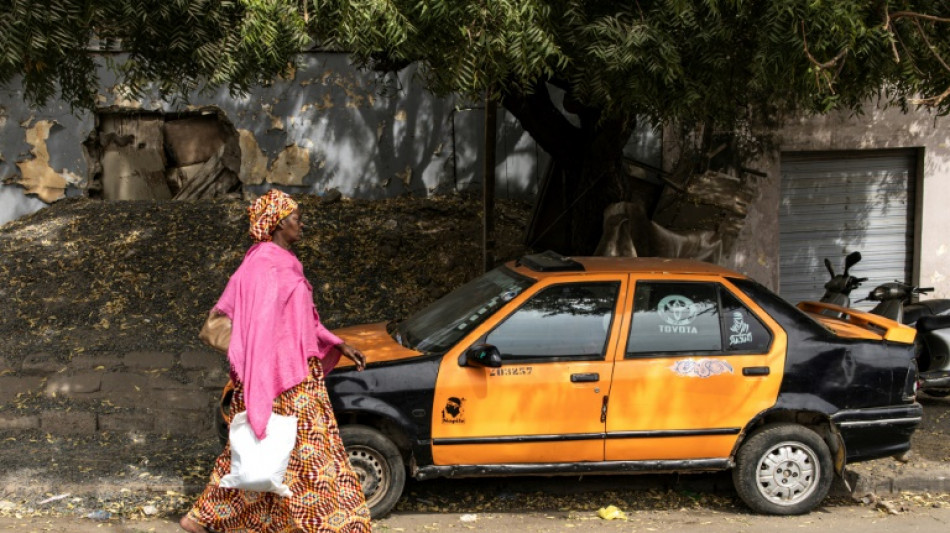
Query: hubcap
column 371, row 468
column 788, row 473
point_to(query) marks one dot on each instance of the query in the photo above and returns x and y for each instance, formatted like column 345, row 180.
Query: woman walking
column 279, row 353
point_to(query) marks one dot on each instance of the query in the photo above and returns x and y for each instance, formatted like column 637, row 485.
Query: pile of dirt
column 116, row 277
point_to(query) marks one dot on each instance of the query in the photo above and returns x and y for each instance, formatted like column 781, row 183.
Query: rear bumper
column 878, row 432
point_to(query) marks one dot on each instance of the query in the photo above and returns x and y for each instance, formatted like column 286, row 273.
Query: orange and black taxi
column 553, row 365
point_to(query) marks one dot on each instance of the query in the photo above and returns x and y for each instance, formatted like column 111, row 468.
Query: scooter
column 932, row 320
column 838, row 288
column 895, row 301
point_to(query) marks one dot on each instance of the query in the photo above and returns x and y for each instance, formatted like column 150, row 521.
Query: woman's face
column 290, row 228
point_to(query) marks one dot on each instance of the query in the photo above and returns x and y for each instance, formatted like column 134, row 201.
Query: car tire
column 783, row 469
column 379, row 465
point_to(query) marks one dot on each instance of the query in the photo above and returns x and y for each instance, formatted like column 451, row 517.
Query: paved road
column 843, row 519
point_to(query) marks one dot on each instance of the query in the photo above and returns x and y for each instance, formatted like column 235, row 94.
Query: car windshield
column 440, row 325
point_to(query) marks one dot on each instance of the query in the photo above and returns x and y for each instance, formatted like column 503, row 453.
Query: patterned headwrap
column 267, row 211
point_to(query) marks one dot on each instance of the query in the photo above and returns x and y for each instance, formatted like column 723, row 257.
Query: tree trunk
column 586, row 172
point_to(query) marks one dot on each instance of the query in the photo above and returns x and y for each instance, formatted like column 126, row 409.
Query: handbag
column 216, row 331
column 260, row 465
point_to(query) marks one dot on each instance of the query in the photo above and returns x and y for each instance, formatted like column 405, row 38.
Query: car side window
column 743, row 331
column 569, row 321
column 697, row 317
column 674, row 317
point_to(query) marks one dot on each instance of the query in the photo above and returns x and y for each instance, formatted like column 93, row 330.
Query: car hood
column 374, row 342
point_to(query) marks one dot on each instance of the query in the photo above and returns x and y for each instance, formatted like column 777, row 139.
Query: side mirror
column 481, row 355
column 851, row 260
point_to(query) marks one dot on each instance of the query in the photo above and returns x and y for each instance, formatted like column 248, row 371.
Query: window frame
column 722, row 351
column 763, row 323
column 618, row 296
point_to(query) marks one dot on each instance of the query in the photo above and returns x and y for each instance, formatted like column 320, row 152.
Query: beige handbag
column 216, row 331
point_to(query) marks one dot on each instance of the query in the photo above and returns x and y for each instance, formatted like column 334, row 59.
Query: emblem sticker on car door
column 678, row 312
column 740, row 333
column 701, row 368
column 453, row 412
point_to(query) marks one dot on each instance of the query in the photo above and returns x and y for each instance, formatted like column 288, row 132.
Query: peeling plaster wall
column 41, row 156
column 331, row 126
column 757, row 250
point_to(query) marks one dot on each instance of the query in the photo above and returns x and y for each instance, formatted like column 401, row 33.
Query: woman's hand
column 354, row 355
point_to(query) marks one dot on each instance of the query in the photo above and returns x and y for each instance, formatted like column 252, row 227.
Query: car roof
column 612, row 265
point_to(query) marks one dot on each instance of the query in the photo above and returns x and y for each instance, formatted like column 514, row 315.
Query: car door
column 699, row 361
column 545, row 403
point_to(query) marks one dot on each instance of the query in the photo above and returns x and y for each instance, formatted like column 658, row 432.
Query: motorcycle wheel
column 937, row 393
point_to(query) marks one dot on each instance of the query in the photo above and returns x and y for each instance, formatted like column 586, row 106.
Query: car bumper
column 878, row 432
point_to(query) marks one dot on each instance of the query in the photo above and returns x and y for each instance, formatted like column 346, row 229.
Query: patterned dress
column 327, row 493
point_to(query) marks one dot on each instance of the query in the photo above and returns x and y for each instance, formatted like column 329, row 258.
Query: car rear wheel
column 379, row 465
column 783, row 469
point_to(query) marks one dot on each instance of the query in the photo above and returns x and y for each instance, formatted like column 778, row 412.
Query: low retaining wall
column 140, row 392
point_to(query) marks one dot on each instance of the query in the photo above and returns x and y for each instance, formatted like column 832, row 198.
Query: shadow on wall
column 371, row 135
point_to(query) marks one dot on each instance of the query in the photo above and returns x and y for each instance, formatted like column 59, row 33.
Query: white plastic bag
column 260, row 465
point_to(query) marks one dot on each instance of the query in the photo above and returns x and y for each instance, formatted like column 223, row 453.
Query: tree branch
column 923, row 35
column 932, row 101
column 827, row 64
column 912, row 14
column 543, row 120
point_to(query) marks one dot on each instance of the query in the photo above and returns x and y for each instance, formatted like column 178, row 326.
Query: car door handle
column 585, row 378
column 756, row 371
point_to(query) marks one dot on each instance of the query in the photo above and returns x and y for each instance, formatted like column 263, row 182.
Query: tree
column 728, row 65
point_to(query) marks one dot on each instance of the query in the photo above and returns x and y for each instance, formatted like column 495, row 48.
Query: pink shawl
column 275, row 328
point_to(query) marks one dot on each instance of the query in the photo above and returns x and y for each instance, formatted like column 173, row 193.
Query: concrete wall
column 875, row 130
column 755, row 252
column 331, row 126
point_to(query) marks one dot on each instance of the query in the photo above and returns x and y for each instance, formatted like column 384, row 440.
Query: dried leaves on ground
column 93, row 276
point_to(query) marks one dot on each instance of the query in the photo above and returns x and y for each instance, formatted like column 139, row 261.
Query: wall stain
column 36, row 175
column 290, row 167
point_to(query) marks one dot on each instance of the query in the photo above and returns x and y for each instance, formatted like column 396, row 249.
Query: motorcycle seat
column 930, row 323
column 913, row 312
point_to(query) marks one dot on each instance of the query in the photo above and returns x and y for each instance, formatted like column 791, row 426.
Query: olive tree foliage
column 730, row 65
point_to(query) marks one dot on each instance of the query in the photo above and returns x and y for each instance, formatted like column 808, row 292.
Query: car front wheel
column 379, row 465
column 783, row 469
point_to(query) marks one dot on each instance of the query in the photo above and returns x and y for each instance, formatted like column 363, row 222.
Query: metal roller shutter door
column 836, row 203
